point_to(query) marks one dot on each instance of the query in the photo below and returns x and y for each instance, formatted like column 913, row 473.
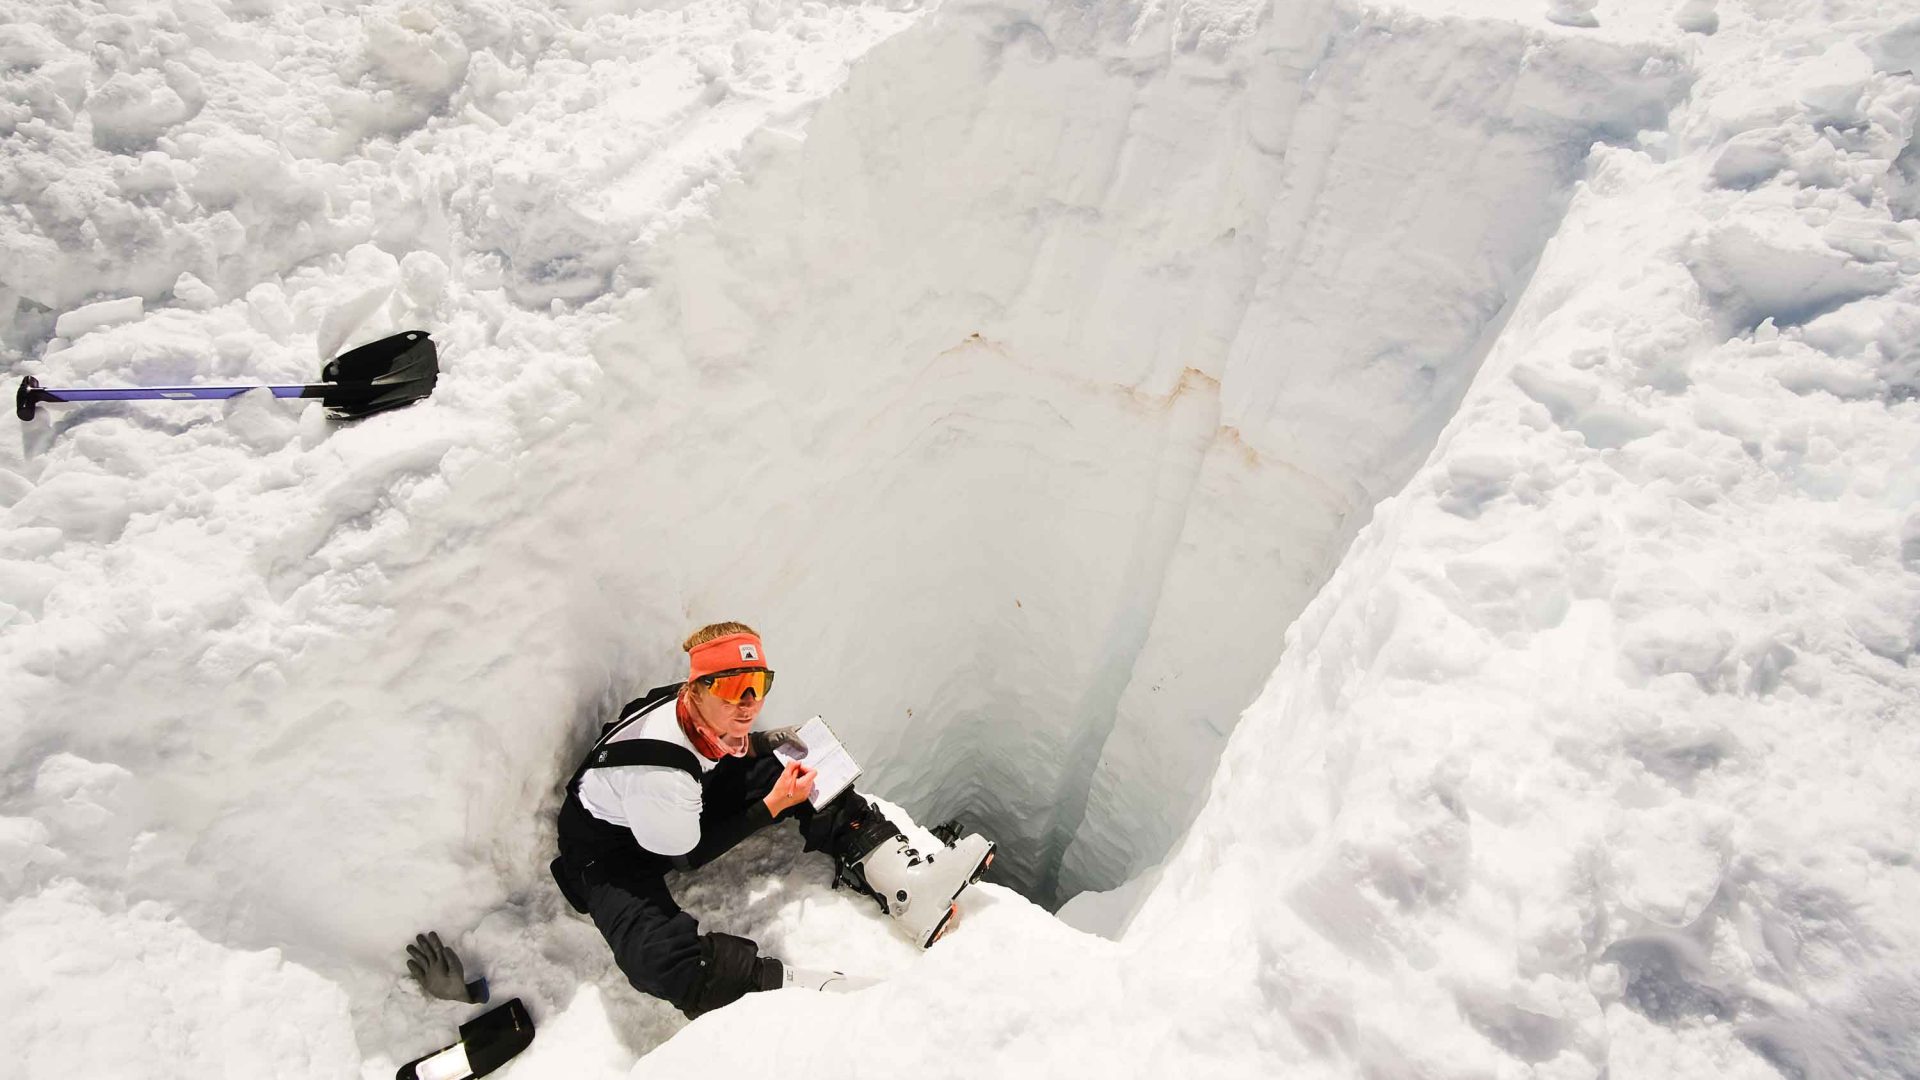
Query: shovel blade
column 381, row 375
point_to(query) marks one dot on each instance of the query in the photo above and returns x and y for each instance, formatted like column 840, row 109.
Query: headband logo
column 748, row 652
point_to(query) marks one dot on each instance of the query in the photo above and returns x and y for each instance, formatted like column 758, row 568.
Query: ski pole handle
column 27, row 398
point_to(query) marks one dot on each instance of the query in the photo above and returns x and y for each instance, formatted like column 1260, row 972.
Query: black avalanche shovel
column 379, row 375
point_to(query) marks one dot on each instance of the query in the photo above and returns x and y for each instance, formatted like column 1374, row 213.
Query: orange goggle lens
column 733, row 689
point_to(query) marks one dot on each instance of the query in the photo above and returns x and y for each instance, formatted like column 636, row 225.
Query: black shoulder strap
column 643, row 704
column 609, row 755
column 645, row 752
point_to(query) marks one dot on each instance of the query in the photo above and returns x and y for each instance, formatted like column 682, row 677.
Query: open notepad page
column 834, row 768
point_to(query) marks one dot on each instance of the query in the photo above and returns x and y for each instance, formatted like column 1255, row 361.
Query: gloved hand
column 439, row 971
column 761, row 743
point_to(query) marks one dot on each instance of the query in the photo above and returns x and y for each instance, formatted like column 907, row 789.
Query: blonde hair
column 715, row 630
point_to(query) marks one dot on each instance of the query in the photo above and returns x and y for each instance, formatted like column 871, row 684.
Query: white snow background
column 1403, row 519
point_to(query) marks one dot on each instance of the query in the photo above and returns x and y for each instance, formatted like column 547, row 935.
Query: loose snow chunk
column 1697, row 16
column 132, row 109
column 92, row 991
column 81, row 320
column 193, row 292
column 1638, row 1046
column 1832, row 86
column 1751, row 158
column 1515, row 583
column 1667, row 862
column 24, row 585
column 1780, row 268
column 1573, row 12
column 1677, row 640
column 423, row 278
column 24, row 45
column 87, row 505
column 23, row 840
column 1898, row 49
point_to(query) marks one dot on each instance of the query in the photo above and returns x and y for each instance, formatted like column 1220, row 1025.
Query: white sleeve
column 662, row 807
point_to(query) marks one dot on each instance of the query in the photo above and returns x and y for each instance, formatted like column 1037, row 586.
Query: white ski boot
column 917, row 888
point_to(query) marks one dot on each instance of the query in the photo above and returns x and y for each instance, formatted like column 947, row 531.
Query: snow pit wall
column 1048, row 376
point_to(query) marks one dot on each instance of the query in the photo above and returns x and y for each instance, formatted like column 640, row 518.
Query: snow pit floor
column 1404, row 516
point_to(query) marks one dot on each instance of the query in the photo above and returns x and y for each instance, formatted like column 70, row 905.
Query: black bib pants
column 658, row 946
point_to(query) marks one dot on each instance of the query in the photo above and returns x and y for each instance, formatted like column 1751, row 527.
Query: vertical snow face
column 1593, row 757
column 1594, row 752
column 1049, row 377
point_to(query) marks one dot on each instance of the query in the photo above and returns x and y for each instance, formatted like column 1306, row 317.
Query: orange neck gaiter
column 703, row 741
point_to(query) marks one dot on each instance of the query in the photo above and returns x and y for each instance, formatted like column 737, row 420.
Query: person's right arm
column 792, row 789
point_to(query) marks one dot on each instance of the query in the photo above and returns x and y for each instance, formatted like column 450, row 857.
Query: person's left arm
column 718, row 835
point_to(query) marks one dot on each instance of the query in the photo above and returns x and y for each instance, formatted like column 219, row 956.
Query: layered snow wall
column 1073, row 349
column 1591, row 758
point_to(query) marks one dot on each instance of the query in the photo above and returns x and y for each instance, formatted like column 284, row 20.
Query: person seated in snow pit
column 677, row 780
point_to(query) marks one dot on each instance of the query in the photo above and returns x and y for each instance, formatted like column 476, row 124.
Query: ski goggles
column 733, row 687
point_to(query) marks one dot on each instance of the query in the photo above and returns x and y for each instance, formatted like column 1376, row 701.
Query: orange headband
column 731, row 653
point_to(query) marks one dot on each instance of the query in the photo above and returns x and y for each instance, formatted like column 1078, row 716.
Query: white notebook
column 834, row 768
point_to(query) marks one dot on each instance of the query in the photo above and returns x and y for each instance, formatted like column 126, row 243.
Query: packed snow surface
column 1403, row 518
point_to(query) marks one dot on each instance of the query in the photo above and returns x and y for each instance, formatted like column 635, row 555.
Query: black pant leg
column 663, row 954
column 832, row 827
column 655, row 943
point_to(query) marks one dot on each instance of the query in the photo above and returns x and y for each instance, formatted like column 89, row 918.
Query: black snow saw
column 380, row 375
column 487, row 1042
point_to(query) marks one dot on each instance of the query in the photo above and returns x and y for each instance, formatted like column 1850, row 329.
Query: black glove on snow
column 439, row 971
column 761, row 743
